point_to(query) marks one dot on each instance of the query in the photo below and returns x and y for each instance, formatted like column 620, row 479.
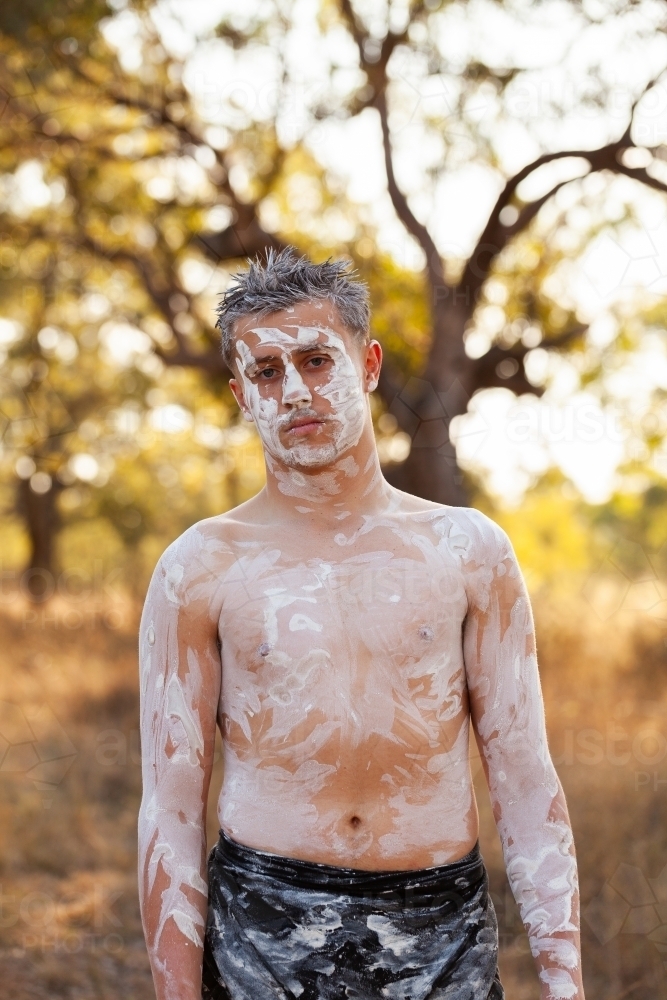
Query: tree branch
column 404, row 212
column 245, row 237
column 487, row 376
column 210, row 361
column 376, row 72
column 390, row 41
column 353, row 24
column 496, row 236
column 529, row 211
column 640, row 174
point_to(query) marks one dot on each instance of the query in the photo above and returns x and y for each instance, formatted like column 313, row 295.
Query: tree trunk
column 425, row 407
column 40, row 516
column 437, row 478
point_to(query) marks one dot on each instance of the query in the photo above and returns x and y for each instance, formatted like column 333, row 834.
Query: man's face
column 303, row 379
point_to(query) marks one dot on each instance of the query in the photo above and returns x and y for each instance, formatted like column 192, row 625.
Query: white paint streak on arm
column 508, row 718
column 180, row 682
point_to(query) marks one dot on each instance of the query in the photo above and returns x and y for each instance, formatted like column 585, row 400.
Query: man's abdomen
column 379, row 805
column 344, row 714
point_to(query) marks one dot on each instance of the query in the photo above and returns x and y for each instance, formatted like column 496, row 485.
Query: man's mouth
column 303, row 426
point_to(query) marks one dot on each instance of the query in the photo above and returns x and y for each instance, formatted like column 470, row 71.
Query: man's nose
column 295, row 389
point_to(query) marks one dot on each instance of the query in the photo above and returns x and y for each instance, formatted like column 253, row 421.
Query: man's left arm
column 508, row 719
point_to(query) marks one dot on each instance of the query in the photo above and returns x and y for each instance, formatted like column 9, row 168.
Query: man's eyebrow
column 265, row 357
column 313, row 347
column 277, row 356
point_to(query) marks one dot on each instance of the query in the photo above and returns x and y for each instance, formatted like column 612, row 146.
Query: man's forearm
column 542, row 871
column 557, row 982
column 173, row 897
column 176, row 964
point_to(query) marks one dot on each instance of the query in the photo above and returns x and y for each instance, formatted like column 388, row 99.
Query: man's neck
column 346, row 491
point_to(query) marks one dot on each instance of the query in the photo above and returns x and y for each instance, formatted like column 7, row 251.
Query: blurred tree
column 99, row 204
column 90, row 438
column 129, row 190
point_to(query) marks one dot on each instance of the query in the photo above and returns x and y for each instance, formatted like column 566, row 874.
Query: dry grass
column 605, row 688
column 69, row 922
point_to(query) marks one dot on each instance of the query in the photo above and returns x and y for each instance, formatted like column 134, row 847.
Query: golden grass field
column 70, row 776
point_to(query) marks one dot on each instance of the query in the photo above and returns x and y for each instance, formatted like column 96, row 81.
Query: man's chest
column 363, row 645
column 378, row 601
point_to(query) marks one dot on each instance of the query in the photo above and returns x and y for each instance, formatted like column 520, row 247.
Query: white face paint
column 339, row 399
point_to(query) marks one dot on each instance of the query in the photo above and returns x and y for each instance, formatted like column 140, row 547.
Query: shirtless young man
column 343, row 635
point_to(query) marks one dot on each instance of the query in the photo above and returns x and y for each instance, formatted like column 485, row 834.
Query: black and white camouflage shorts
column 284, row 928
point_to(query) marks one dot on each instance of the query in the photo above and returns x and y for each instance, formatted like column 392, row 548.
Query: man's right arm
column 180, row 687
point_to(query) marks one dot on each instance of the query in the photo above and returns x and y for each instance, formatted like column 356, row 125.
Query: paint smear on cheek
column 345, row 394
column 264, row 411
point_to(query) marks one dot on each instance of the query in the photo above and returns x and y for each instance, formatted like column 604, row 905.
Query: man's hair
column 282, row 279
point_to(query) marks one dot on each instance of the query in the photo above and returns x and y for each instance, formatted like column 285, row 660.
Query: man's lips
column 307, row 425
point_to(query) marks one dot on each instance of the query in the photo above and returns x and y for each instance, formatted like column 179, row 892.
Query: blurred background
column 497, row 173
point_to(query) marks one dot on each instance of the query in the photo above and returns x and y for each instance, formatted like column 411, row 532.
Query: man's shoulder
column 465, row 532
column 477, row 525
column 197, row 561
column 213, row 540
column 483, row 549
column 469, row 534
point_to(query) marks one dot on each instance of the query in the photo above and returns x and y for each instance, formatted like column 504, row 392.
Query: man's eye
column 317, row 362
column 267, row 373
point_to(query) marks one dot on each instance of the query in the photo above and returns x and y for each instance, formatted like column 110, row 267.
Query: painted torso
column 344, row 708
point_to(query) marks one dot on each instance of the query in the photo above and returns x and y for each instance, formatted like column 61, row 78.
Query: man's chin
column 310, row 456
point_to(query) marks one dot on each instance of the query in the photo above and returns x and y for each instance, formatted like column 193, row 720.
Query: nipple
column 426, row 633
column 264, row 649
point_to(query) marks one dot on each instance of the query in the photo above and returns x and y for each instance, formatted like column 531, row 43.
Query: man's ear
column 372, row 365
column 237, row 389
